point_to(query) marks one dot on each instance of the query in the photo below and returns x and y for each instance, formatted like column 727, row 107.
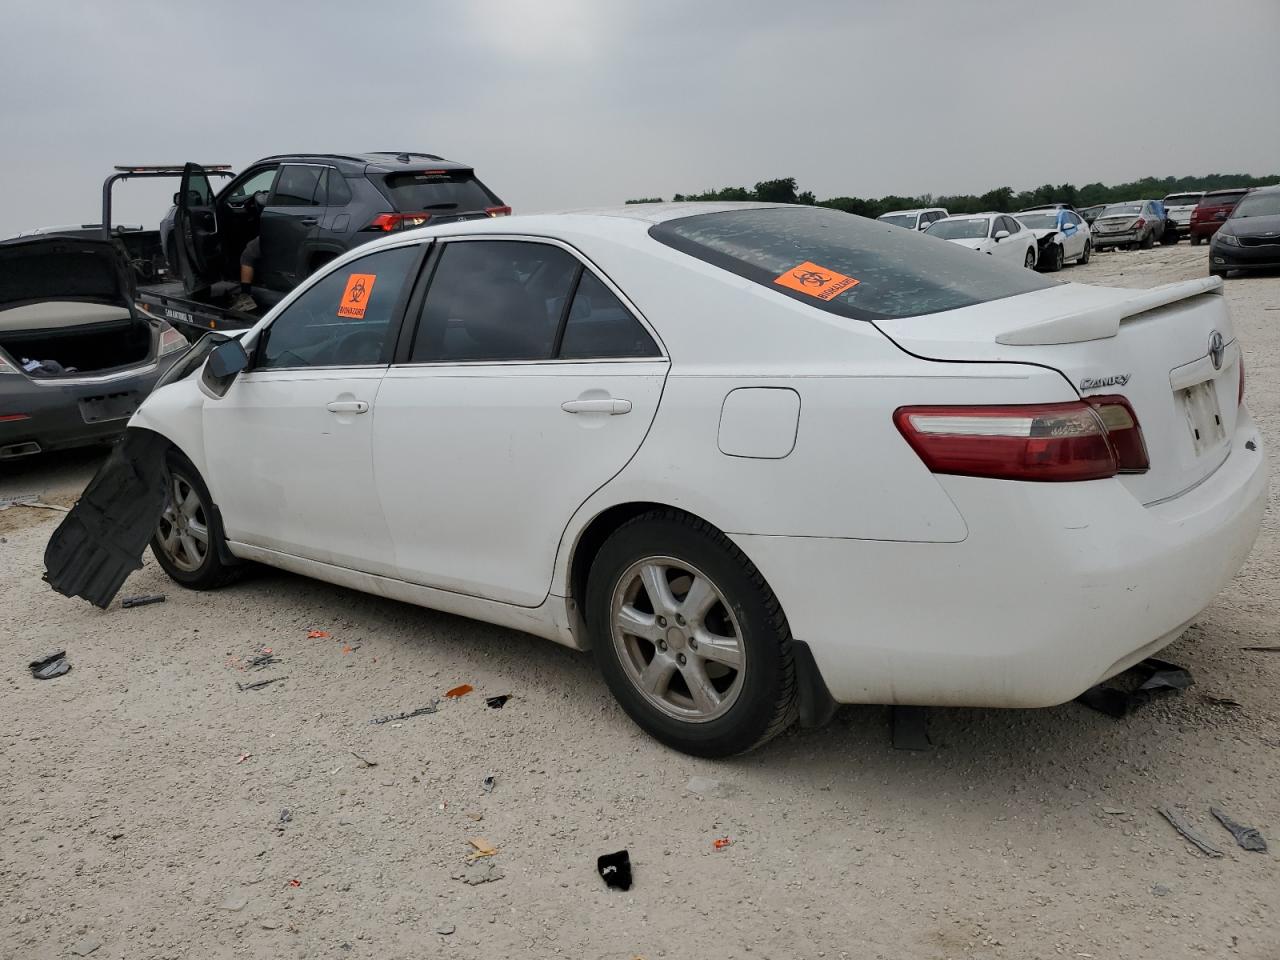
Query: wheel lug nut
column 680, row 619
column 693, row 644
column 662, row 621
column 662, row 644
column 680, row 659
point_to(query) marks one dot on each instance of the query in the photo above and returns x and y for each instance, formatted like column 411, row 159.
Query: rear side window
column 438, row 191
column 599, row 326
column 845, row 264
column 344, row 319
column 296, row 186
column 333, row 190
column 494, row 300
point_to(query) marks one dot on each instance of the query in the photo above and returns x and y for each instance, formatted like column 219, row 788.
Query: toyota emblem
column 1217, row 349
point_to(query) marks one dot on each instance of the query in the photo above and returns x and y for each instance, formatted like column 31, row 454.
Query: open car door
column 195, row 224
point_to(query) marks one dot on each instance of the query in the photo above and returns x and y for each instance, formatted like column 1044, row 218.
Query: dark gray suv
column 307, row 208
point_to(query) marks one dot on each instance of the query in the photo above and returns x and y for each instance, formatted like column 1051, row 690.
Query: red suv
column 1213, row 208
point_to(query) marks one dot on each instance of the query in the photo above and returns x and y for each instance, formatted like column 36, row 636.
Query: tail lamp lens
column 1122, row 429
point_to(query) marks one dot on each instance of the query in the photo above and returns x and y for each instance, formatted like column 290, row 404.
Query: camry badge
column 1217, row 349
column 1095, row 383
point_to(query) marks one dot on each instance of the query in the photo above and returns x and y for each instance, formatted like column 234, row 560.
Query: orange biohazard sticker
column 356, row 297
column 816, row 281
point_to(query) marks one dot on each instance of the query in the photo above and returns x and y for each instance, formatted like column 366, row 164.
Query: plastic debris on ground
column 481, row 871
column 497, row 702
column 459, row 691
column 483, row 848
column 54, row 665
column 1154, row 676
column 615, row 869
column 488, row 783
column 910, row 728
column 258, row 684
column 1249, row 838
column 243, row 757
column 317, row 635
column 1266, row 649
column 1221, row 701
column 143, row 600
column 367, row 763
column 31, row 500
column 408, row 715
column 1180, row 823
column 721, row 843
column 295, row 883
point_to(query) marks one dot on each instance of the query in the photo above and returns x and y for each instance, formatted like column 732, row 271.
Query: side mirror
column 1001, row 235
column 923, row 224
column 177, row 197
column 225, row 361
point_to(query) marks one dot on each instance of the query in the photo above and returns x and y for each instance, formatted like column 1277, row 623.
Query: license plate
column 1200, row 404
column 116, row 406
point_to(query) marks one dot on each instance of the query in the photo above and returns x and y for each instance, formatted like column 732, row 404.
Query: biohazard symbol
column 355, row 298
column 815, row 281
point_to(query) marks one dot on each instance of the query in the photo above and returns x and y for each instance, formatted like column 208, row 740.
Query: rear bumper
column 1057, row 587
column 1114, row 239
column 53, row 417
column 1205, row 229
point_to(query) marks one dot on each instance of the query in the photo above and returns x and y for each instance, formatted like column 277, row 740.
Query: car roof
column 973, row 216
column 898, row 213
column 386, row 161
column 1219, row 193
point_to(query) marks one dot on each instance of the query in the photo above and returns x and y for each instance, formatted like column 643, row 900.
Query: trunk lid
column 1157, row 348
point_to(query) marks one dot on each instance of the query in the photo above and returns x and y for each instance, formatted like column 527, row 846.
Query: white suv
column 914, row 219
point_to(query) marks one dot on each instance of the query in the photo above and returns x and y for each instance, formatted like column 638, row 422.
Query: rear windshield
column 973, row 229
column 845, row 264
column 1220, row 199
column 437, row 190
column 1257, row 205
column 1181, row 199
column 1039, row 221
column 1121, row 209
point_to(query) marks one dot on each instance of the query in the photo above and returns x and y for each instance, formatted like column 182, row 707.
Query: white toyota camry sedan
column 996, row 234
column 760, row 459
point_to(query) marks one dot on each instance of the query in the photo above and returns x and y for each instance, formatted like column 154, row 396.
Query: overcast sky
column 567, row 103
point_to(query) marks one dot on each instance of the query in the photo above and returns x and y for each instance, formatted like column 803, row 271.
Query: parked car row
column 1042, row 238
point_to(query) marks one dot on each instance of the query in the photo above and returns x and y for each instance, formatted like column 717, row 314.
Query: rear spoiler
column 1099, row 323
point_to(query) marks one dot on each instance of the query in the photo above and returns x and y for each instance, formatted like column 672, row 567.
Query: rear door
column 289, row 447
column 1173, row 356
column 290, row 224
column 195, row 224
column 528, row 385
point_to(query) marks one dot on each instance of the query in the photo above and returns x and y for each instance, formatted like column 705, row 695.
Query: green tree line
column 1004, row 199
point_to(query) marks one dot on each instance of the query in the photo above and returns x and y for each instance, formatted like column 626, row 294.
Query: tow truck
column 161, row 292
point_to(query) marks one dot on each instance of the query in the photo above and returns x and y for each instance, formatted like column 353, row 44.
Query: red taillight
column 1240, row 395
column 498, row 211
column 1043, row 441
column 1123, row 430
column 13, row 417
column 1138, row 224
column 387, row 222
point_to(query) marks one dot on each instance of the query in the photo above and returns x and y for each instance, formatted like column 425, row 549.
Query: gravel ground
column 142, row 793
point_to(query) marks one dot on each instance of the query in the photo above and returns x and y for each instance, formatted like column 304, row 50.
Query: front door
column 289, row 445
column 195, row 226
column 290, row 224
column 528, row 385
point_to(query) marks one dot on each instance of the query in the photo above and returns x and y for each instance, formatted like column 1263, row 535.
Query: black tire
column 1195, row 240
column 206, row 572
column 1055, row 258
column 1029, row 261
column 1169, row 238
column 1088, row 252
column 1217, row 272
column 1148, row 241
column 765, row 701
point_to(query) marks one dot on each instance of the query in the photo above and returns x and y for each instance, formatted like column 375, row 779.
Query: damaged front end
column 101, row 540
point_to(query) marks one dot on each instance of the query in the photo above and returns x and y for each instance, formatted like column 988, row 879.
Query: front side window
column 973, row 228
column 494, row 300
column 844, row 264
column 297, row 186
column 256, row 182
column 344, row 319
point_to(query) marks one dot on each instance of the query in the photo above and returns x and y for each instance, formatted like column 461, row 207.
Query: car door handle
column 347, row 406
column 609, row 405
column 310, row 221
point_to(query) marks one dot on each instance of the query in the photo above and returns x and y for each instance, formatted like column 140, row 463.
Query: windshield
column 900, row 219
column 438, row 190
column 1040, row 221
column 844, row 264
column 1182, row 199
column 1122, row 209
column 975, row 229
column 1257, row 205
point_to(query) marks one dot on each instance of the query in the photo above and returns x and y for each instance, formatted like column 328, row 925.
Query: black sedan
column 77, row 356
column 1250, row 239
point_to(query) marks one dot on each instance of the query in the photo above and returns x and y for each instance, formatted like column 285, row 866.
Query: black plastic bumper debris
column 54, row 665
column 1154, row 676
column 142, row 601
column 615, row 868
column 1249, row 838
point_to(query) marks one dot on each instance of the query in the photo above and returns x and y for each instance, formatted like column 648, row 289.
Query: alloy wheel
column 677, row 639
column 184, row 525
